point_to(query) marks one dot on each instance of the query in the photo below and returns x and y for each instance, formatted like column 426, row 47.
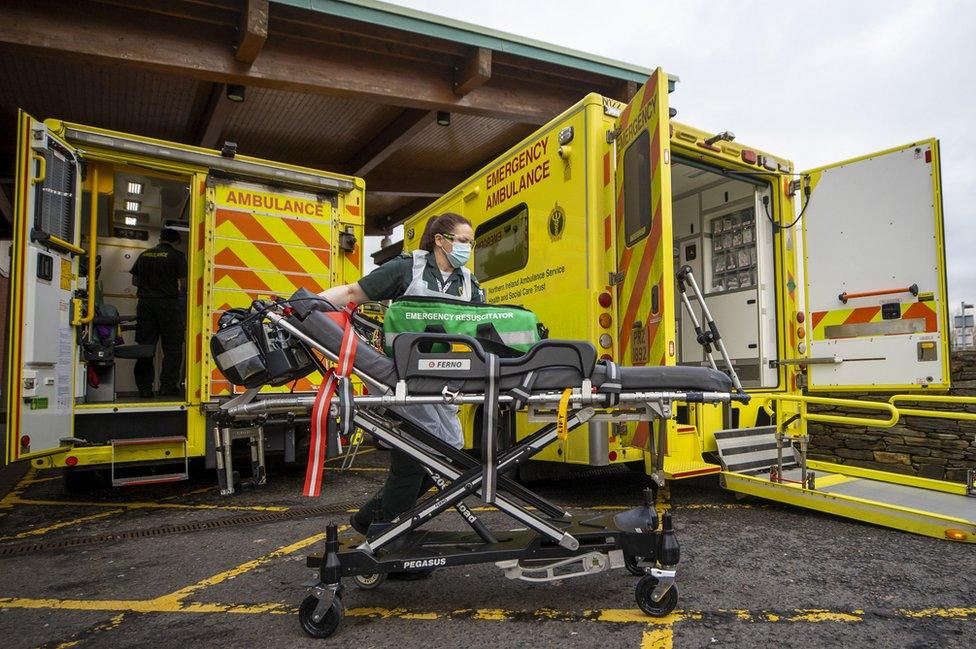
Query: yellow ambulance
column 831, row 279
column 88, row 203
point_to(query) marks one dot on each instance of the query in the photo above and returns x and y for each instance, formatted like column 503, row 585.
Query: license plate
column 638, row 345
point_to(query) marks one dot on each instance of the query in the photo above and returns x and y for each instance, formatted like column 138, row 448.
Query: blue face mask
column 459, row 255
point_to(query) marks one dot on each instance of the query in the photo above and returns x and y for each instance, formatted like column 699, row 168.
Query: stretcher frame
column 557, row 547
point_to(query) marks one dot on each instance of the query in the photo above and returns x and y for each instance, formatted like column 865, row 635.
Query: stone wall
column 922, row 446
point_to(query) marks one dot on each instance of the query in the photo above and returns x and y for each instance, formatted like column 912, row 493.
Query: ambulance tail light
column 749, row 157
column 606, row 357
column 71, row 460
column 612, row 456
column 800, row 317
column 956, row 535
column 25, row 440
column 606, row 320
column 605, row 300
column 801, row 332
column 606, row 341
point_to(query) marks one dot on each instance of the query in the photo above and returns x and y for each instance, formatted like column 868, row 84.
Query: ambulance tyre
column 645, row 587
column 369, row 582
column 329, row 622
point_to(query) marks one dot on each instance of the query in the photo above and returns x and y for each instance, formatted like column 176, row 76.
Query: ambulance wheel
column 645, row 587
column 369, row 582
column 329, row 622
column 630, row 563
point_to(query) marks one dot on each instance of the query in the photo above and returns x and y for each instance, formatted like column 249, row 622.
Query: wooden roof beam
column 75, row 32
column 385, row 223
column 252, row 31
column 215, row 117
column 474, row 71
column 390, row 140
column 420, row 183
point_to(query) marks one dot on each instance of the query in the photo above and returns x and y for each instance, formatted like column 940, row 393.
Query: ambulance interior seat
column 104, row 344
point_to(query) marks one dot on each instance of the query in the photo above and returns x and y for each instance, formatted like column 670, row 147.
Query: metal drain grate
column 18, row 549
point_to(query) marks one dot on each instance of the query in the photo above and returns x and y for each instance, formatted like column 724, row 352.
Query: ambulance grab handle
column 845, row 296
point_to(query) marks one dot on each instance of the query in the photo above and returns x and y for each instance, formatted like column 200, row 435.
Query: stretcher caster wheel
column 645, row 587
column 329, row 622
column 369, row 582
column 630, row 563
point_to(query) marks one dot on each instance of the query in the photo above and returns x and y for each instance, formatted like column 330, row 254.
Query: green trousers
column 406, row 482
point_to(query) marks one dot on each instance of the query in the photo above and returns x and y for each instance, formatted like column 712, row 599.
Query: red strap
column 319, row 439
column 318, row 442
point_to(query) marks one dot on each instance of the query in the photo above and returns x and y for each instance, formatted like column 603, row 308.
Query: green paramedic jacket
column 509, row 325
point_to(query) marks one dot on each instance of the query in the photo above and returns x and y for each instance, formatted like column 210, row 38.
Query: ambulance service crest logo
column 557, row 222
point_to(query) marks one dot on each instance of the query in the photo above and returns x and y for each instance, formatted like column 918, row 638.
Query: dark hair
column 441, row 224
column 170, row 235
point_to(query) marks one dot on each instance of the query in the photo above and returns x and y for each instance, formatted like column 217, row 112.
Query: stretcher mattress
column 381, row 368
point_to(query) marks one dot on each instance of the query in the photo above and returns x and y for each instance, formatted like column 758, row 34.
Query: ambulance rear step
column 752, row 450
column 153, row 478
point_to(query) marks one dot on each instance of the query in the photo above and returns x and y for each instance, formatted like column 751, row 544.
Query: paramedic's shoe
column 145, row 394
column 170, row 392
column 356, row 524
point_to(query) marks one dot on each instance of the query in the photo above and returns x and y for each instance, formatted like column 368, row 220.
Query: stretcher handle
column 404, row 344
column 845, row 296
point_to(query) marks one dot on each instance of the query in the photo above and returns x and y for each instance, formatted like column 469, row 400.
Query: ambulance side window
column 502, row 244
column 637, row 189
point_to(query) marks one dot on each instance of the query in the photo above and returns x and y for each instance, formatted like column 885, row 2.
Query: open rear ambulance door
column 40, row 382
column 645, row 268
column 875, row 273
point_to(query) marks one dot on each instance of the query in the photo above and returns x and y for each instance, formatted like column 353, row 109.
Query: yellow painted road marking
column 147, row 505
column 181, row 594
column 356, row 468
column 957, row 613
column 40, row 480
column 166, row 604
column 77, row 638
column 40, row 531
column 13, row 494
column 658, row 638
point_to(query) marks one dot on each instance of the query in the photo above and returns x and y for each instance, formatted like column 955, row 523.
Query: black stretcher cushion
column 380, row 367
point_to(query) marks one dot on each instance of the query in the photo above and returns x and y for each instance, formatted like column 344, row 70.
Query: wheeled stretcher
column 560, row 382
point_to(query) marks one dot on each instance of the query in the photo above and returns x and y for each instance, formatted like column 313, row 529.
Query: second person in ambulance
column 437, row 269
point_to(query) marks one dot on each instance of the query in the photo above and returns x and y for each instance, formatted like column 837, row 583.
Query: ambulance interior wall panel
column 744, row 313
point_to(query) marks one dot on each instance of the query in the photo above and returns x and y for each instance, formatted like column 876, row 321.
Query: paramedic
column 159, row 275
column 437, row 269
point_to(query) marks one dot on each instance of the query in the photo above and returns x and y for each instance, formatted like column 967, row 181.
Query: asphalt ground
column 751, row 574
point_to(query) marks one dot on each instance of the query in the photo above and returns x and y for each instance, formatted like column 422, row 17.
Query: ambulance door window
column 502, row 244
column 637, row 189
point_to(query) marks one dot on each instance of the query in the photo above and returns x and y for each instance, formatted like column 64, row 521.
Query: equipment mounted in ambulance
column 831, row 279
column 88, row 202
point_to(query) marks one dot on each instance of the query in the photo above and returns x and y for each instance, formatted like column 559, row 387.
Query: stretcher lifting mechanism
column 568, row 386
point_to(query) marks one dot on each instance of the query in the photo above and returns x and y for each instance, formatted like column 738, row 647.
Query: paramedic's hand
column 340, row 296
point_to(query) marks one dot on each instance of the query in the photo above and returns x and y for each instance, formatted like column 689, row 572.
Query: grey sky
column 816, row 83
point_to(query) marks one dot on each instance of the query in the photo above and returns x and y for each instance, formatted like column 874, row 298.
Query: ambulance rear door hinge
column 612, row 135
column 616, row 277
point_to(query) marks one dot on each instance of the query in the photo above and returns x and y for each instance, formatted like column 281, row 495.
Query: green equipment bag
column 496, row 325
